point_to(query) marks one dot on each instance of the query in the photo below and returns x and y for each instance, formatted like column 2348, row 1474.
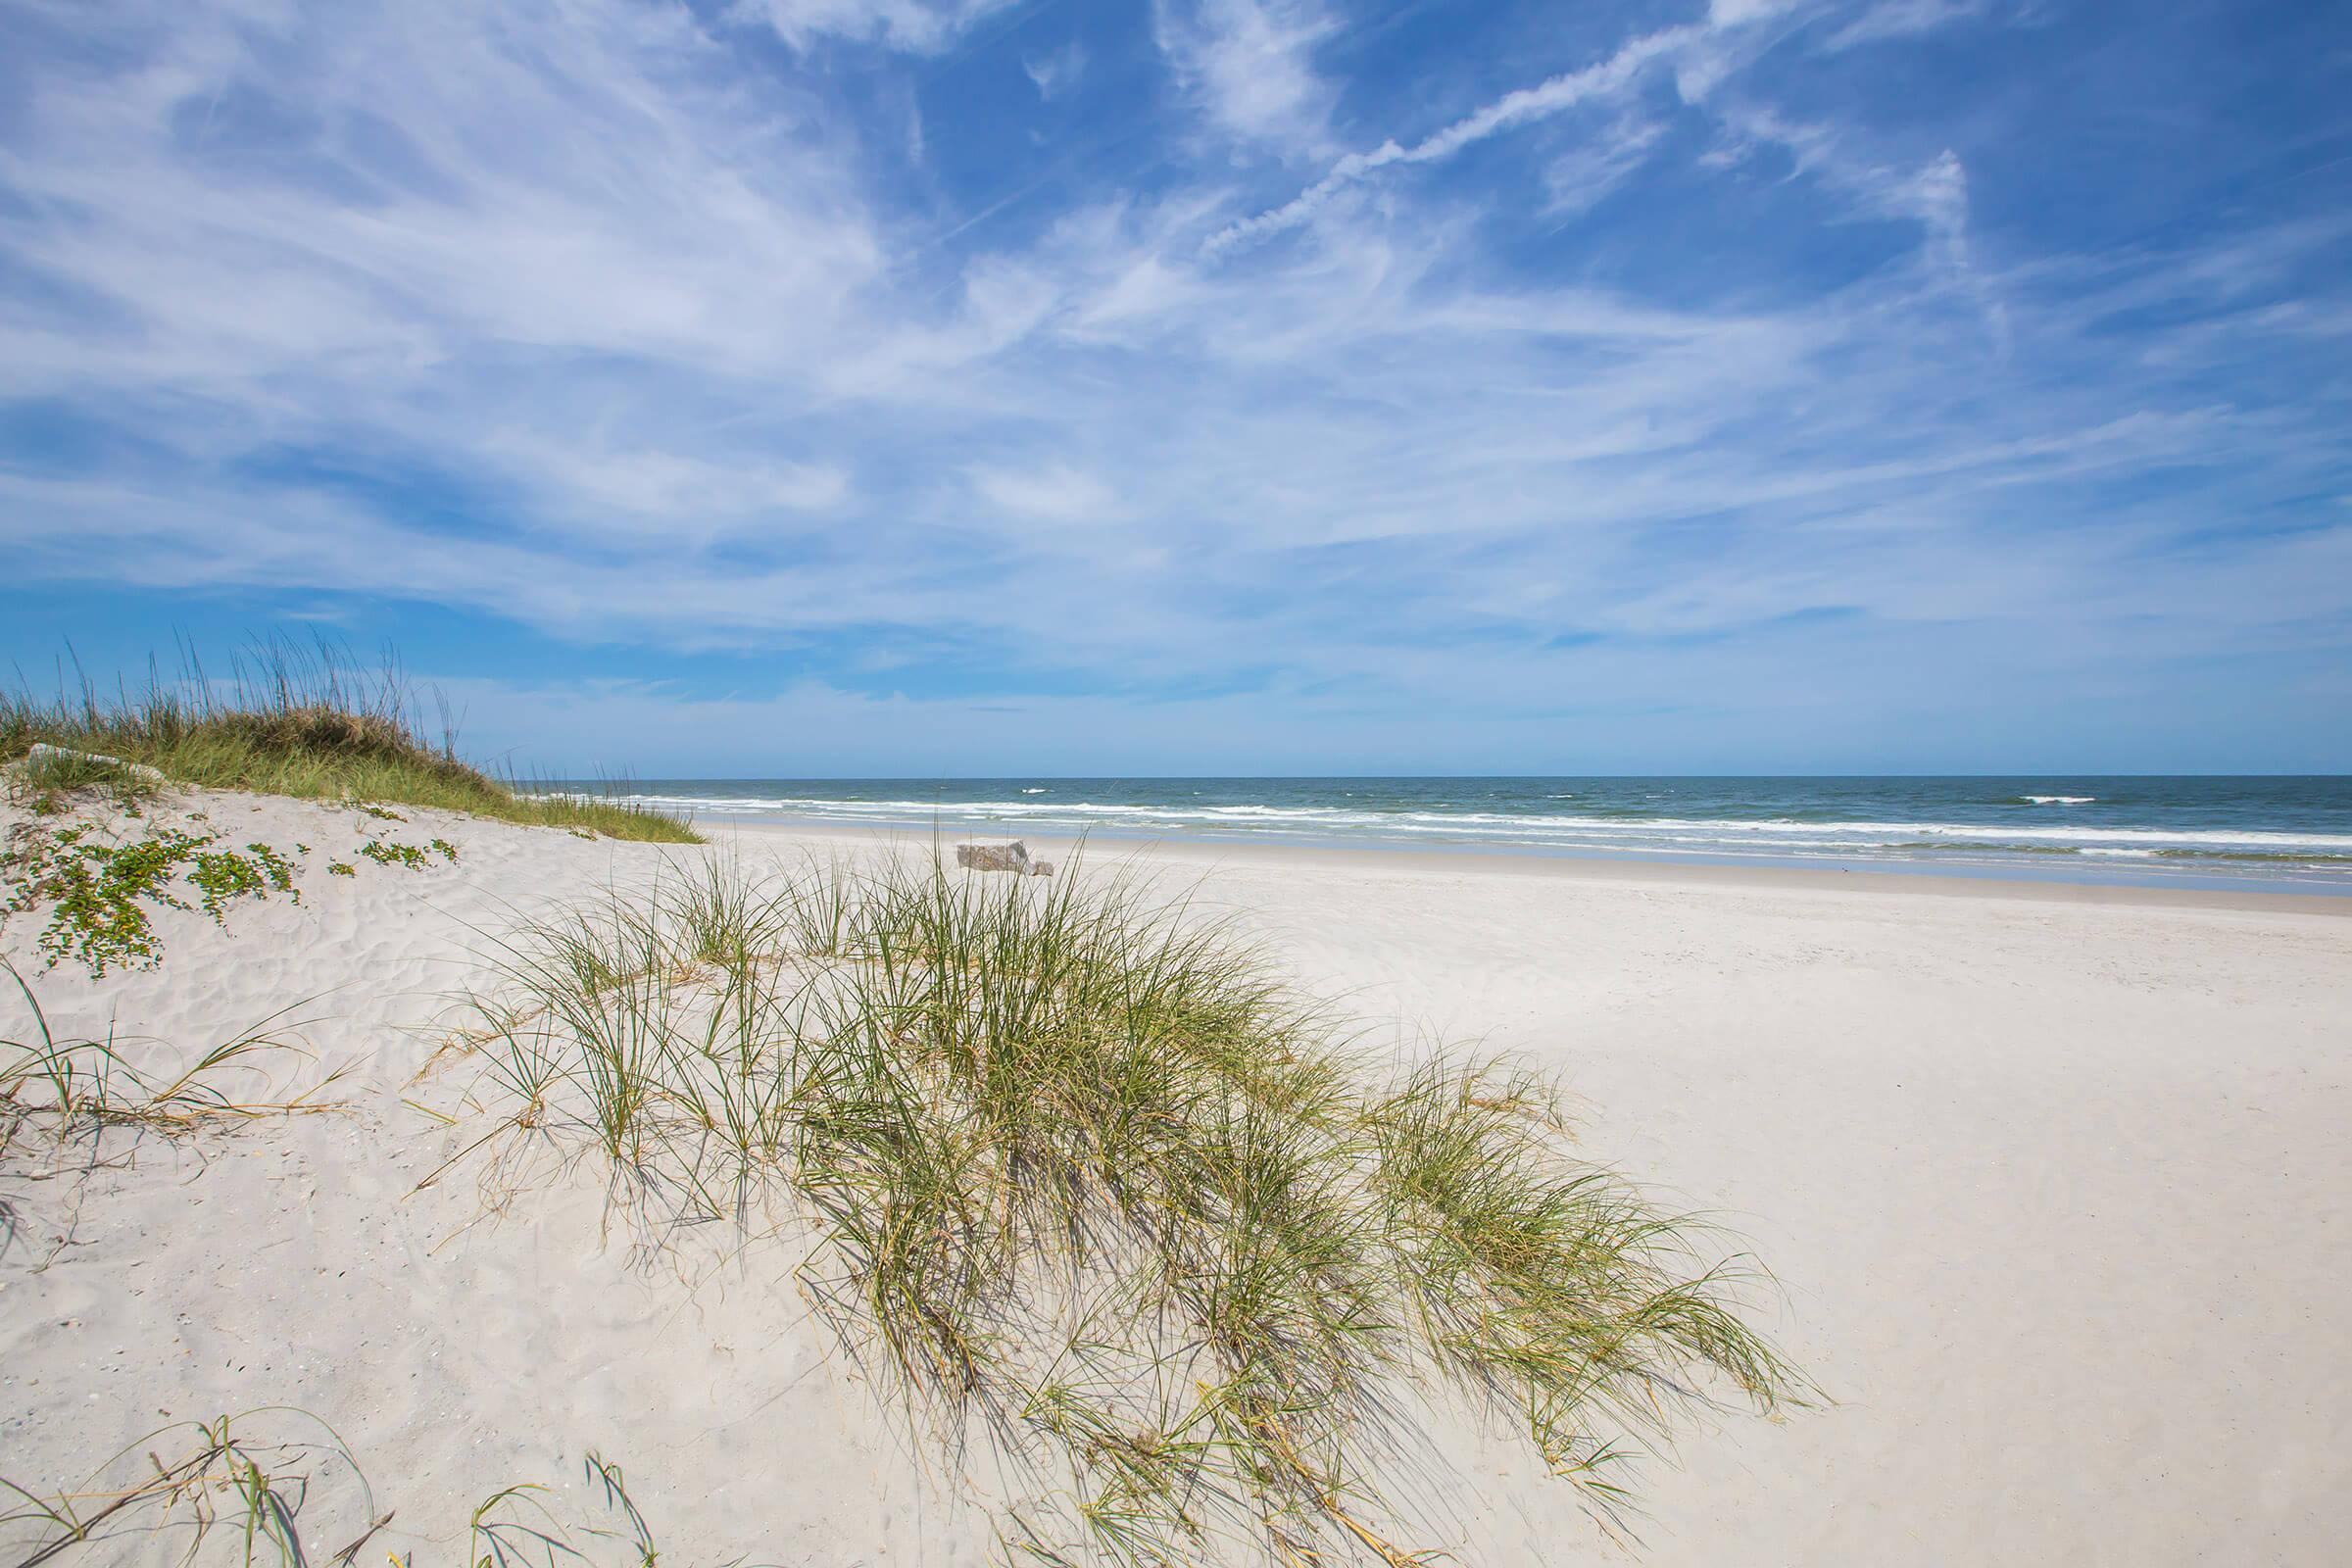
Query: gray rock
column 45, row 756
column 1013, row 857
column 1041, row 868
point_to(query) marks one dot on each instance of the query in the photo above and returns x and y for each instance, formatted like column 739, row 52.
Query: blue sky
column 987, row 386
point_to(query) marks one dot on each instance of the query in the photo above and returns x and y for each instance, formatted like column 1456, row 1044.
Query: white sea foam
column 1786, row 837
column 2061, row 800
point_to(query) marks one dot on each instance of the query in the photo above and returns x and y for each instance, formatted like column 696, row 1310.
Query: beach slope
column 2051, row 1182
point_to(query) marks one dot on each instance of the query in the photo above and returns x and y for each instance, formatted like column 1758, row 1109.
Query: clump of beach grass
column 1078, row 1172
column 295, row 719
column 69, row 1085
column 243, row 1492
column 71, row 1103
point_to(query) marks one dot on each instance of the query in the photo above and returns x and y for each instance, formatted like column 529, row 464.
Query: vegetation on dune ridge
column 1082, row 1180
column 301, row 721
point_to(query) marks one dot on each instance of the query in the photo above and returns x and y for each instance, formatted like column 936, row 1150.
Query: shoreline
column 2261, row 833
column 2002, row 883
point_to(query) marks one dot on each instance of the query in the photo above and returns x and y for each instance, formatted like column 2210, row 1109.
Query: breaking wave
column 1548, row 822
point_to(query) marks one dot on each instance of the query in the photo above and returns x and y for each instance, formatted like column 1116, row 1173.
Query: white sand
column 2055, row 1182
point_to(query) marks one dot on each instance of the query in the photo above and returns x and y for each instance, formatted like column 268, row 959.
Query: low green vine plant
column 391, row 852
column 100, row 895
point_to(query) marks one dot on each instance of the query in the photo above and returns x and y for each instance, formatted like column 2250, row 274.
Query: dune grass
column 261, row 1487
column 72, row 1105
column 224, row 1487
column 71, row 1085
column 265, row 1486
column 299, row 721
column 1080, row 1176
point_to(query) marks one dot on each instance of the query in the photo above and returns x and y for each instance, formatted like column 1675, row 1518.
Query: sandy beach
column 2053, row 1180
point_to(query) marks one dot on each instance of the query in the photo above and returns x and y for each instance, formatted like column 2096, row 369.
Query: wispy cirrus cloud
column 1904, row 19
column 1055, row 493
column 923, row 27
column 1604, row 80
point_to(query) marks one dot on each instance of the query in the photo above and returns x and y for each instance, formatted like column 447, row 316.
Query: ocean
column 2291, row 831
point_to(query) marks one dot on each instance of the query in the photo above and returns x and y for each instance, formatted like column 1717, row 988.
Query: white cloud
column 588, row 194
column 1606, row 79
column 1589, row 170
column 1904, row 19
column 1700, row 56
column 1054, row 493
column 1057, row 71
column 696, row 494
column 1249, row 66
column 1933, row 194
column 921, row 26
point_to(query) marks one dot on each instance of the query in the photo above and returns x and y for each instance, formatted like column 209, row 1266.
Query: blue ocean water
column 2281, row 830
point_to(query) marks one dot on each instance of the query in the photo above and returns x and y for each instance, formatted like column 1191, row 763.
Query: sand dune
column 2053, row 1182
